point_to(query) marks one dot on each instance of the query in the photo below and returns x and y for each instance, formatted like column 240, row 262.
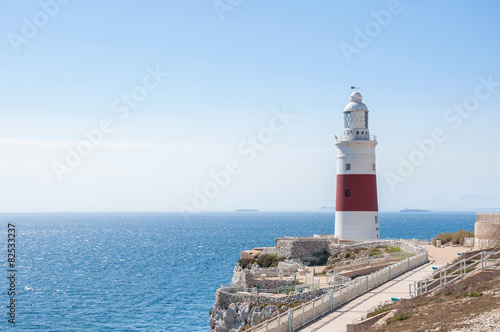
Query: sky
column 219, row 105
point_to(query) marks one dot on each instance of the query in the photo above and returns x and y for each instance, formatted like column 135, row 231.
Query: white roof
column 356, row 104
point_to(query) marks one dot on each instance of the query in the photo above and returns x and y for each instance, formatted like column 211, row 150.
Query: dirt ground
column 471, row 304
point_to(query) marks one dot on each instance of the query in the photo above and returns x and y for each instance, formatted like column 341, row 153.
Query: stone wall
column 492, row 217
column 486, row 230
column 247, row 278
column 224, row 299
column 486, row 235
column 306, row 248
column 405, row 245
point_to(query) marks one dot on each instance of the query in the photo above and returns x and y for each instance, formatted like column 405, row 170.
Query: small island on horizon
column 414, row 210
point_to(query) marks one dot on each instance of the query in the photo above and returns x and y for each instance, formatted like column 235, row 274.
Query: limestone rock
column 231, row 313
column 254, row 315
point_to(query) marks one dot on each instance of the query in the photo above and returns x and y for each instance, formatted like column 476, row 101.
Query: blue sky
column 226, row 81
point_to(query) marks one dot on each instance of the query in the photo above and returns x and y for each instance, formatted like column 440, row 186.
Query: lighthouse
column 356, row 208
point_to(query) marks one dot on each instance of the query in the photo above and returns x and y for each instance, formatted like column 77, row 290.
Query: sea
column 151, row 271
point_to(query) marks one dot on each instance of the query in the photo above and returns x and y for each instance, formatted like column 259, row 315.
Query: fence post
column 290, row 321
column 314, row 312
column 482, row 260
column 331, row 300
column 323, row 305
column 303, row 317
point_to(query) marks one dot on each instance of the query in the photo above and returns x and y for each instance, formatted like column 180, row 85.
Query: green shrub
column 392, row 249
column 378, row 311
column 247, row 262
column 375, row 252
column 476, row 294
column 268, row 260
column 454, row 238
column 401, row 316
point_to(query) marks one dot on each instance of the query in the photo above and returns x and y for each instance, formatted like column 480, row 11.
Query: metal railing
column 479, row 262
column 371, row 261
column 281, row 291
column 307, row 312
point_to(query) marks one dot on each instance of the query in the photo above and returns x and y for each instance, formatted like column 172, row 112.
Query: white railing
column 350, row 137
column 337, row 278
column 309, row 311
column 332, row 283
column 458, row 270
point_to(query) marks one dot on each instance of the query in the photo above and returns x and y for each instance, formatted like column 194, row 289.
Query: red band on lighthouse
column 362, row 189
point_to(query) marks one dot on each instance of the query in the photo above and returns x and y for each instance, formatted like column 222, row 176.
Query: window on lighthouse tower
column 347, row 193
column 347, row 167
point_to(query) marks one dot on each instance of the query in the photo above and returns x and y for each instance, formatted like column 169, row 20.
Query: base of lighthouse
column 356, row 225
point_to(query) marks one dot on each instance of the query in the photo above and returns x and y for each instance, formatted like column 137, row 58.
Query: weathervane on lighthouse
column 356, row 208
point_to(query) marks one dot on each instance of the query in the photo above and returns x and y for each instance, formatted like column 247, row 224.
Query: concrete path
column 337, row 321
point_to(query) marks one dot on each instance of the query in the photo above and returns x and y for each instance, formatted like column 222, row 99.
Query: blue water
column 140, row 271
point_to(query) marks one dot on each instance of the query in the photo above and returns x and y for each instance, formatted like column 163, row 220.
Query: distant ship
column 247, row 210
column 414, row 210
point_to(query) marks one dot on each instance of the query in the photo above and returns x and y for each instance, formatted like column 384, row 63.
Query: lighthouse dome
column 356, row 96
column 355, row 104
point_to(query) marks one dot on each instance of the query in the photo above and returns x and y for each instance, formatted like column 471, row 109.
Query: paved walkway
column 337, row 321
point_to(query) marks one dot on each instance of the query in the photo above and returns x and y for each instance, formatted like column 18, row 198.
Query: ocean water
column 152, row 271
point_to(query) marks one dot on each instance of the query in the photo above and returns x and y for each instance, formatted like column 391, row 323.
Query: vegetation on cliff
column 261, row 261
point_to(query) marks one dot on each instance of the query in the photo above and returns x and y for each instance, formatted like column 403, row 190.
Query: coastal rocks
column 231, row 319
column 231, row 313
column 238, row 315
column 239, row 277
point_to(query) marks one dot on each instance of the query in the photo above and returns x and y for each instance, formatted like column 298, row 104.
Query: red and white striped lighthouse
column 356, row 210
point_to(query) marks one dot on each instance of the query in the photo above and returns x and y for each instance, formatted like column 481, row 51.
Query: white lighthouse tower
column 356, row 210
